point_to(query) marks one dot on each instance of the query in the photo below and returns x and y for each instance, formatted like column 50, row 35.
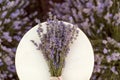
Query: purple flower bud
column 1, row 63
column 11, row 68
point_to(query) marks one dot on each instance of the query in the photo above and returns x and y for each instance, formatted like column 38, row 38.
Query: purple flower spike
column 55, row 43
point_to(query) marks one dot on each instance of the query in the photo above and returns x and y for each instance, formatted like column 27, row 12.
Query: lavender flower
column 1, row 63
column 114, row 70
column 55, row 43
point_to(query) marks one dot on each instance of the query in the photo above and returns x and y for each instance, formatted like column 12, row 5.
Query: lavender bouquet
column 55, row 44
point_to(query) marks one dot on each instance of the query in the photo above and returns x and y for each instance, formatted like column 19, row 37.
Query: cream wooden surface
column 31, row 65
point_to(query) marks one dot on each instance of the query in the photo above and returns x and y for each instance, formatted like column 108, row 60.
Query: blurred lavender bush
column 14, row 22
column 100, row 20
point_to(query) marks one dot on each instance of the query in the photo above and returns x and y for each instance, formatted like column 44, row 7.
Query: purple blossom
column 8, row 60
column 92, row 19
column 114, row 70
column 52, row 54
column 105, row 51
column 55, row 43
column 10, row 75
column 10, row 4
column 4, row 14
column 1, row 1
column 89, row 5
column 18, row 38
column 104, row 42
column 7, row 21
column 6, row 35
column 108, row 59
column 37, row 20
column 100, row 7
column 1, row 63
column 15, row 14
column 11, row 68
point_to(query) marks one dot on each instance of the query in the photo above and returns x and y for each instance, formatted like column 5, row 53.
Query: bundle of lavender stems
column 55, row 44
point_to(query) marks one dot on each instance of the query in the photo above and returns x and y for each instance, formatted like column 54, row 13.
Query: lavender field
column 99, row 19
